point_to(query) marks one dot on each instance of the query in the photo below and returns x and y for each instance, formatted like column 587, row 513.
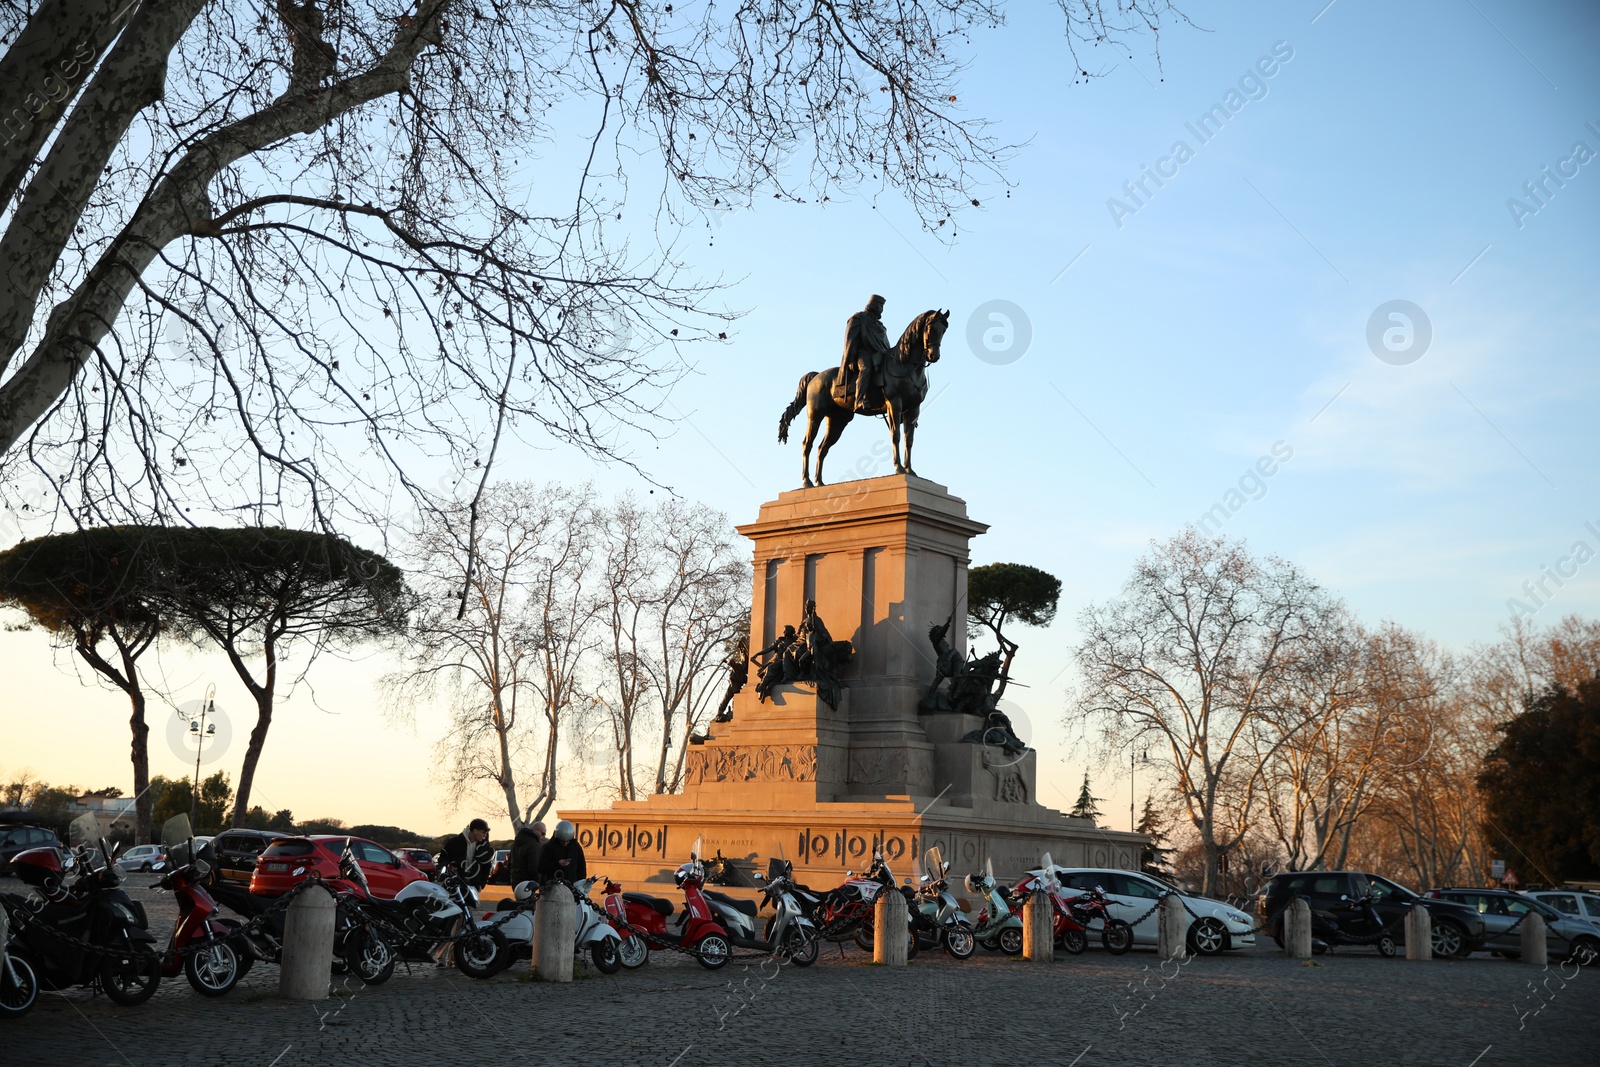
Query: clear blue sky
column 1229, row 312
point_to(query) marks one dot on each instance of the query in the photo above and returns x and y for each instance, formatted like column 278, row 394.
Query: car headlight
column 1236, row 917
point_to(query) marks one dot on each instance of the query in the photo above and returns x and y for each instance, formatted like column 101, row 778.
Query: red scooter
column 200, row 945
column 695, row 930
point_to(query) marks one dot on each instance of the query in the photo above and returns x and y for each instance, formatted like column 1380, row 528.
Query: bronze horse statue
column 905, row 387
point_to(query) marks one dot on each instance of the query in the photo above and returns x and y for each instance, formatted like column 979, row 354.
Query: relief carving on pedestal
column 1010, row 786
column 879, row 766
column 764, row 763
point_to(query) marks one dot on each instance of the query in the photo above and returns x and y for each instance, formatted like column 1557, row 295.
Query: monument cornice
column 902, row 499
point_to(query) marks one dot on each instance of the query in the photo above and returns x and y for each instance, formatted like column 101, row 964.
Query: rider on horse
column 859, row 386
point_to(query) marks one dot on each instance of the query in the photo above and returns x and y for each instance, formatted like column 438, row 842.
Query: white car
column 1213, row 927
column 1574, row 902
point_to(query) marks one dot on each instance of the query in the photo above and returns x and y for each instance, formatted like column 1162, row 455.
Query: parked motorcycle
column 262, row 940
column 695, row 928
column 19, row 985
column 595, row 929
column 848, row 910
column 1074, row 916
column 998, row 925
column 937, row 915
column 90, row 933
column 1357, row 925
column 201, row 945
column 412, row 925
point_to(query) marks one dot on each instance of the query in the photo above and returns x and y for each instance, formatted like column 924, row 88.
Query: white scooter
column 594, row 931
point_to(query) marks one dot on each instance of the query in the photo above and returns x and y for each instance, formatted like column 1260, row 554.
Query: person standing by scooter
column 525, row 850
column 562, row 856
column 470, row 854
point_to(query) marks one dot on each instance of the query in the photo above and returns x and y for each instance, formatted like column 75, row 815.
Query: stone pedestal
column 1534, row 947
column 306, row 968
column 1419, row 934
column 825, row 787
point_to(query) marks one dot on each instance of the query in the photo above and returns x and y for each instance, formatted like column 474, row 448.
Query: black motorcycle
column 88, row 933
column 1356, row 922
column 412, row 926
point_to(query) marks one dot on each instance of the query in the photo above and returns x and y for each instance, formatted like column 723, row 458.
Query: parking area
column 1245, row 1007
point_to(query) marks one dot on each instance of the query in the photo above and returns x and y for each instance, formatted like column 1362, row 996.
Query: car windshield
column 1387, row 890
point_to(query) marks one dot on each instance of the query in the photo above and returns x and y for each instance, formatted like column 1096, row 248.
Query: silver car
column 1566, row 937
column 1213, row 925
column 142, row 857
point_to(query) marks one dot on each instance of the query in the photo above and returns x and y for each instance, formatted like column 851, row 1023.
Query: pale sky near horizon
column 1178, row 333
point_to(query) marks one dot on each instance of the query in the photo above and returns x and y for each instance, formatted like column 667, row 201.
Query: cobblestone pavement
column 1245, row 1007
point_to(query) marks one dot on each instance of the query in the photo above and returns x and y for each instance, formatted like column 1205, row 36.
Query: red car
column 421, row 859
column 275, row 875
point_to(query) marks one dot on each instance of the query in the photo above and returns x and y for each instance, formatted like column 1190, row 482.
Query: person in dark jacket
column 562, row 856
column 525, row 851
column 470, row 854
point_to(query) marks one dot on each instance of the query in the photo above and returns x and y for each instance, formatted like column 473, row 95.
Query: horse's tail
column 796, row 406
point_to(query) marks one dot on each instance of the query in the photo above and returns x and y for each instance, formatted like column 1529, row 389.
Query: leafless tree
column 678, row 593
column 1192, row 655
column 258, row 255
column 509, row 657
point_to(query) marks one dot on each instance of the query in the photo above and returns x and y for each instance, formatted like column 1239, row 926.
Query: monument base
column 641, row 842
column 883, row 561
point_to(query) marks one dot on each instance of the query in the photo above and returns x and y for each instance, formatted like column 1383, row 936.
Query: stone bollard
column 1038, row 928
column 1419, row 933
column 1534, row 948
column 555, row 928
column 307, row 967
column 1297, row 929
column 1173, row 934
column 889, row 928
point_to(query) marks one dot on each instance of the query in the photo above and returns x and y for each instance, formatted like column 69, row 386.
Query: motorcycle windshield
column 351, row 867
column 777, row 868
column 178, row 839
column 84, row 831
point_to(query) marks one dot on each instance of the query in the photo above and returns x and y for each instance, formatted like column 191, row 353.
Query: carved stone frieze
column 763, row 763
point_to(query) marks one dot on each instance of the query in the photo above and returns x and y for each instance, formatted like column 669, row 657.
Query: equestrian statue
column 873, row 378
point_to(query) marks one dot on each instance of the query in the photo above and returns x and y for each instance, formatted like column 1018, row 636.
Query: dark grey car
column 1566, row 937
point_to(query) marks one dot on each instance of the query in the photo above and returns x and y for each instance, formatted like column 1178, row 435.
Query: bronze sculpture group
column 974, row 689
column 873, row 378
column 808, row 654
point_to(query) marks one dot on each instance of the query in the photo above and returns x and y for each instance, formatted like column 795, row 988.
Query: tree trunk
column 143, row 805
column 252, row 756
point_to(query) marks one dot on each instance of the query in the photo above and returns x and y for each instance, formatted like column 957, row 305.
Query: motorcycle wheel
column 800, row 947
column 633, row 952
column 1387, row 947
column 1073, row 942
column 19, row 988
column 911, row 945
column 713, row 952
column 213, row 969
column 605, row 956
column 1117, row 937
column 241, row 948
column 369, row 957
column 483, row 955
column 1010, row 941
column 959, row 942
column 863, row 937
column 132, row 979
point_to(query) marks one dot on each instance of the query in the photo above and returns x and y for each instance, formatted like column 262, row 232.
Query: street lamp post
column 201, row 731
column 1144, row 757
